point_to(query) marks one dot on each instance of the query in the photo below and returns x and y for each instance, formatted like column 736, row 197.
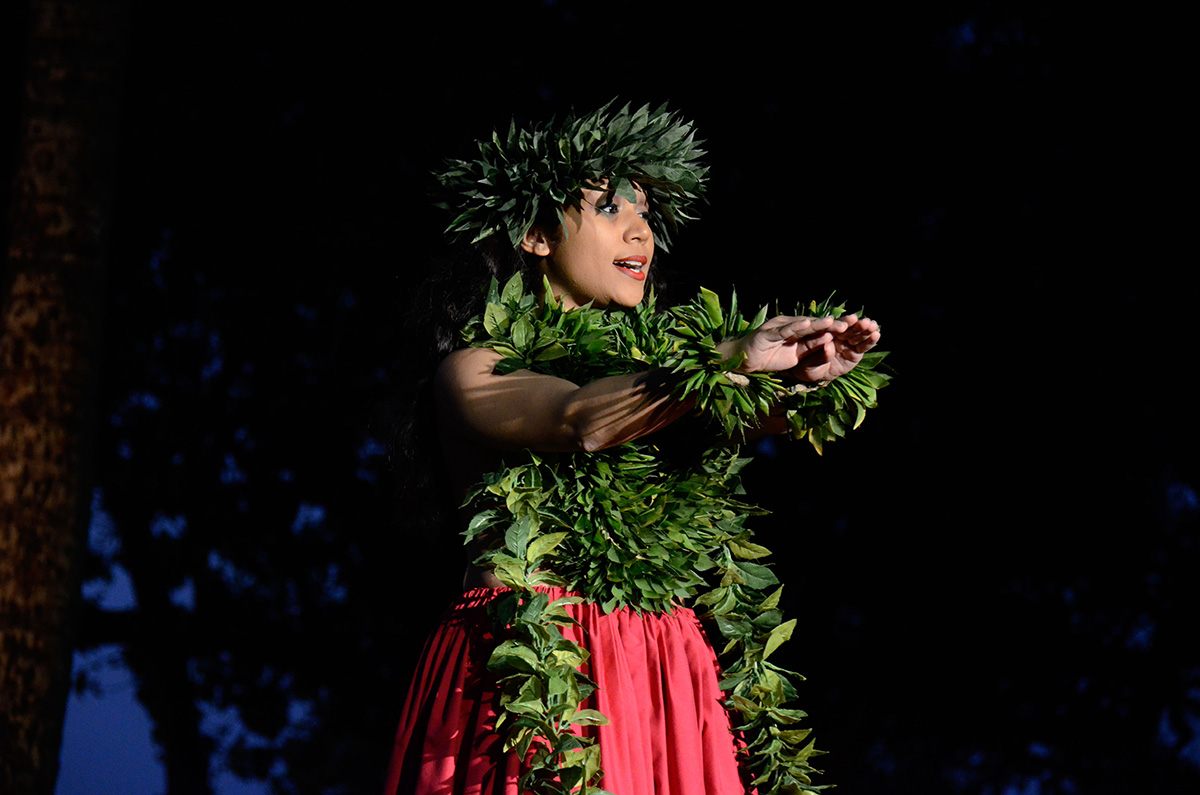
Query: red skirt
column 657, row 683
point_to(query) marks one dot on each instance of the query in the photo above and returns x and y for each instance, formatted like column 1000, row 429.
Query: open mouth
column 634, row 267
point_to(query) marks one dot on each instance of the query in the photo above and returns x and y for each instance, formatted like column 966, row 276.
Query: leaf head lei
column 518, row 177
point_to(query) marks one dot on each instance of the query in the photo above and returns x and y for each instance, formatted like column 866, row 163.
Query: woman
column 569, row 661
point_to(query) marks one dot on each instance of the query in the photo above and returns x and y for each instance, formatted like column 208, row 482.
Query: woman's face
column 603, row 254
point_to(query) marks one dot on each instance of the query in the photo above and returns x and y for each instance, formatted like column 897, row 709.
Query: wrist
column 732, row 349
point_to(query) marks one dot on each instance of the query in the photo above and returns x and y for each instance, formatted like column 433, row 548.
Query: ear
column 537, row 243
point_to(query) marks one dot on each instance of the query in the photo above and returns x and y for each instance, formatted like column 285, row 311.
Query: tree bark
column 49, row 326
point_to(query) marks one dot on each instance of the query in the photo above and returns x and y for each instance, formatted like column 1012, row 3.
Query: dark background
column 995, row 575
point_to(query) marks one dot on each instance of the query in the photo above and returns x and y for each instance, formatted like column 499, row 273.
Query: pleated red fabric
column 657, row 676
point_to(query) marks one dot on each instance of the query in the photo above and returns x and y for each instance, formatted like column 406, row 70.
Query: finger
column 843, row 324
column 776, row 322
column 857, row 348
column 868, row 335
column 779, row 328
column 860, row 331
column 814, row 342
column 868, row 325
column 802, row 327
column 853, row 322
column 870, row 342
column 813, row 322
column 855, row 337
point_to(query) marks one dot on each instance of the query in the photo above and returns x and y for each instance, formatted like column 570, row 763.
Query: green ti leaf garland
column 624, row 527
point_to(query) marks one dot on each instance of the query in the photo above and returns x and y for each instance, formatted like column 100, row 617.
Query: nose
column 637, row 229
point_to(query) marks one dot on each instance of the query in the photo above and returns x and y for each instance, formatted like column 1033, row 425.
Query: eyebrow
column 608, row 194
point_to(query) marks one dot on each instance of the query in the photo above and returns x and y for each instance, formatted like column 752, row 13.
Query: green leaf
column 860, row 414
column 589, row 717
column 733, row 629
column 478, row 523
column 517, row 537
column 513, row 654
column 757, row 576
column 778, row 635
column 495, row 320
column 543, row 545
column 534, row 606
column 513, row 289
column 523, row 334
column 533, row 707
column 550, row 353
column 772, row 601
column 509, row 571
column 768, row 619
column 712, row 307
column 748, row 550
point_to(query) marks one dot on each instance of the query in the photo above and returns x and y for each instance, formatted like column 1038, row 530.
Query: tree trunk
column 48, row 350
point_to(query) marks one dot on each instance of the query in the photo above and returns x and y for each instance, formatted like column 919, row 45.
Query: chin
column 635, row 295
column 627, row 302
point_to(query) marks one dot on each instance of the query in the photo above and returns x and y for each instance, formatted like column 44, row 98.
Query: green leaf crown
column 519, row 177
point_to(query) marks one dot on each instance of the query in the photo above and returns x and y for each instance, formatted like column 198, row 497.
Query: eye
column 611, row 204
column 608, row 204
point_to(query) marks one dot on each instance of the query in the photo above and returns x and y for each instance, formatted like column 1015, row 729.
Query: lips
column 634, row 267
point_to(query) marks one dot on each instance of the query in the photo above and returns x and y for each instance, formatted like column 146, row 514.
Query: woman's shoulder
column 464, row 367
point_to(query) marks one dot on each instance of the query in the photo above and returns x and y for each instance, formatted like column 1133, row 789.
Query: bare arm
column 526, row 409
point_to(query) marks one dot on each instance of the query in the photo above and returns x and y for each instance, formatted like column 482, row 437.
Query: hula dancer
column 572, row 663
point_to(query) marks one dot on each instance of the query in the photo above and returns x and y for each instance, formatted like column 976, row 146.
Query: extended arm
column 526, row 409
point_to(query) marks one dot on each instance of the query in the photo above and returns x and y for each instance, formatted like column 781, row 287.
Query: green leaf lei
column 625, row 527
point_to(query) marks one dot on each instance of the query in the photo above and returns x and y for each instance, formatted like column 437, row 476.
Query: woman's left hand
column 805, row 348
column 850, row 338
